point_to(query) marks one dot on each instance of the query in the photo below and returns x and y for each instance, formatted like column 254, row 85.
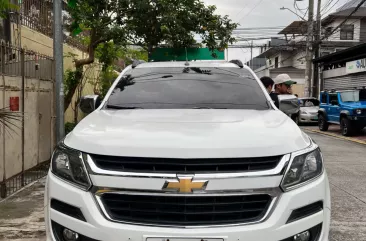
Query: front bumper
column 273, row 229
column 308, row 117
column 361, row 119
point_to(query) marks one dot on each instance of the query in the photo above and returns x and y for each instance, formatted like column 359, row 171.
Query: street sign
column 356, row 66
column 170, row 54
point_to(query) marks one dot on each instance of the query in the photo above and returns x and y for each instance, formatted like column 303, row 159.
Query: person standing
column 283, row 84
column 268, row 84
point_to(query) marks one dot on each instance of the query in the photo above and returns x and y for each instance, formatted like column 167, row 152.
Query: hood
column 310, row 109
column 358, row 104
column 187, row 133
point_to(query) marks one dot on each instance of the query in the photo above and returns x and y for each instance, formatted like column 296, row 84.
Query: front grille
column 169, row 165
column 186, row 210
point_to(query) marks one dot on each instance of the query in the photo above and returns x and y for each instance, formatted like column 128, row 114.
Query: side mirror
column 289, row 104
column 89, row 103
column 334, row 102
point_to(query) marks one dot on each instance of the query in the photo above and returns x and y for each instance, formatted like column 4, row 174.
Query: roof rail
column 137, row 62
column 237, row 62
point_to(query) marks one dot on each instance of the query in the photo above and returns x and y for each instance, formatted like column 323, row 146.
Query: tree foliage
column 101, row 22
column 6, row 5
column 105, row 24
column 177, row 23
column 112, row 56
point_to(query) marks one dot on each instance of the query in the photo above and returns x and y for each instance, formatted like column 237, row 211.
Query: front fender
column 345, row 112
column 322, row 111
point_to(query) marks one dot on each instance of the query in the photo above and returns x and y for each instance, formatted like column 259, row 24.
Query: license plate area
column 183, row 239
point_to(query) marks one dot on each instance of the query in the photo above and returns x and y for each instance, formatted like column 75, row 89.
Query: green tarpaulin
column 169, row 54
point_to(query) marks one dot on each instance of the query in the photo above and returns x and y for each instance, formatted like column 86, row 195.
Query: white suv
column 191, row 151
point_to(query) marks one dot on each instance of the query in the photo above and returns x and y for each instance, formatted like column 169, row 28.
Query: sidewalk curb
column 336, row 136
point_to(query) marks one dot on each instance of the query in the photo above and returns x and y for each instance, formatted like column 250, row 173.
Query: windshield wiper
column 119, row 107
column 197, row 70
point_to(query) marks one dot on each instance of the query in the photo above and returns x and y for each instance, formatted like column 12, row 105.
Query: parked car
column 346, row 108
column 308, row 113
column 187, row 151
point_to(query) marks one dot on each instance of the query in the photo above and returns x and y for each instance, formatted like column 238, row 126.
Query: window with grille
column 347, row 32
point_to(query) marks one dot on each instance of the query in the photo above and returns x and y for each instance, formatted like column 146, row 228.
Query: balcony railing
column 38, row 15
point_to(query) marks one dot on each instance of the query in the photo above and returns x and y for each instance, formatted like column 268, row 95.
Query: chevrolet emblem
column 184, row 185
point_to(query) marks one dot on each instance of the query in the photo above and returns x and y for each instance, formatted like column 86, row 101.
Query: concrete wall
column 299, row 61
column 334, row 73
column 298, row 89
column 33, row 40
column 38, row 122
column 285, row 59
column 262, row 71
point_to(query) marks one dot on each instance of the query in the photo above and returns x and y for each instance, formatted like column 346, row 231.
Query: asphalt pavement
column 345, row 163
column 22, row 215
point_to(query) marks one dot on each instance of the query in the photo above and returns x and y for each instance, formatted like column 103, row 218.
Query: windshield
column 354, row 96
column 309, row 102
column 188, row 88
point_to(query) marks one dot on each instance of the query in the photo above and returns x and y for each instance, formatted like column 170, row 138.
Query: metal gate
column 345, row 82
column 26, row 88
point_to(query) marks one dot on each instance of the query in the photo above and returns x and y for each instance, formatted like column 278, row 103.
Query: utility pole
column 315, row 89
column 309, row 49
column 58, row 61
column 251, row 55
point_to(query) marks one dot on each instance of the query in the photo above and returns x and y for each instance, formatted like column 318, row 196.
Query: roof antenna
column 187, row 63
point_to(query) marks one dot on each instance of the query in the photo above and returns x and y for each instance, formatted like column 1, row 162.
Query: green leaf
column 76, row 31
column 72, row 3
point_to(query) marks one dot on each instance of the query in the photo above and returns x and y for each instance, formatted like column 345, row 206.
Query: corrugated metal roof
column 296, row 27
column 351, row 4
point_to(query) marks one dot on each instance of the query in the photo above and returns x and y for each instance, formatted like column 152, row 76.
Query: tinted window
column 333, row 99
column 324, row 98
column 187, row 88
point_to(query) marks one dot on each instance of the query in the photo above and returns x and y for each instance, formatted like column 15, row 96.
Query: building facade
column 339, row 32
column 344, row 69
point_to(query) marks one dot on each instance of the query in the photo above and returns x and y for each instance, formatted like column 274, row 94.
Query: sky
column 263, row 13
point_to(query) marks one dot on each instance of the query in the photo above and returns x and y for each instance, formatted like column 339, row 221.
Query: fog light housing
column 304, row 236
column 70, row 235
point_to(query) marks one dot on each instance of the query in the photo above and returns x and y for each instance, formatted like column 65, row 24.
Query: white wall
column 263, row 71
column 299, row 61
column 334, row 73
column 337, row 36
column 285, row 59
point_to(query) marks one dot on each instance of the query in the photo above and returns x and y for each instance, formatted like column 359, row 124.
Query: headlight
column 303, row 168
column 303, row 112
column 68, row 164
column 358, row 112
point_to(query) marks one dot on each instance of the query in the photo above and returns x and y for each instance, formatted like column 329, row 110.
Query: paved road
column 21, row 217
column 346, row 166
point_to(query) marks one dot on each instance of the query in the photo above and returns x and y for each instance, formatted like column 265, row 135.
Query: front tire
column 323, row 124
column 346, row 127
